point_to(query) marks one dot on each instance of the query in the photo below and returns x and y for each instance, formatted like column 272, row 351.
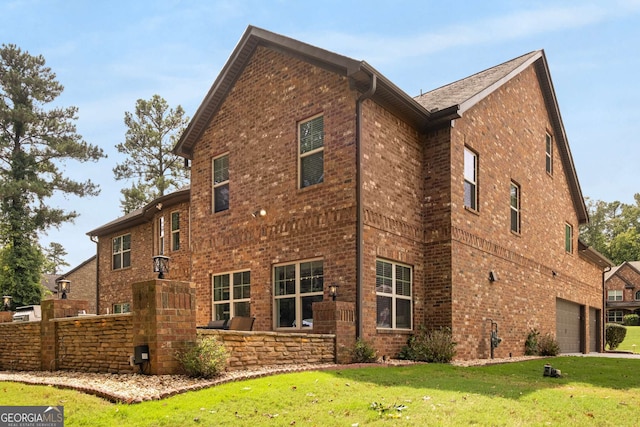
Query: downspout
column 603, row 317
column 94, row 239
column 360, row 211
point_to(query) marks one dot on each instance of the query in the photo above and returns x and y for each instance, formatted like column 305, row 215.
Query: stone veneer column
column 164, row 318
column 339, row 318
column 55, row 309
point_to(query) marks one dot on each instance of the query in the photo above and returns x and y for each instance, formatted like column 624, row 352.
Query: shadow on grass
column 510, row 380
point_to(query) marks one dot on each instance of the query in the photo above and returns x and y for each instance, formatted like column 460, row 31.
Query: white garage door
column 568, row 326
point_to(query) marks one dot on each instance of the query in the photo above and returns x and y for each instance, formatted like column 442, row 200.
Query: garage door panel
column 568, row 326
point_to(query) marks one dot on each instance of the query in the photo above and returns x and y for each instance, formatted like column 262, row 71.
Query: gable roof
column 633, row 265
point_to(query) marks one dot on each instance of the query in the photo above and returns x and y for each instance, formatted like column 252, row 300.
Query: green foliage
column 435, row 346
column 20, row 277
column 363, row 352
column 206, row 358
column 531, row 344
column 631, row 320
column 614, row 335
column 153, row 130
column 548, row 346
column 54, row 258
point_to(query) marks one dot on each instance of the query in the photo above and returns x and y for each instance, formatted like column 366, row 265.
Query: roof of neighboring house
column 79, row 266
column 143, row 214
column 634, row 265
column 49, row 281
column 427, row 110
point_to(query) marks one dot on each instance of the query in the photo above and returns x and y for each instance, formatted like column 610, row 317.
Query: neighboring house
column 622, row 291
column 458, row 208
column 126, row 248
column 83, row 283
column 48, row 282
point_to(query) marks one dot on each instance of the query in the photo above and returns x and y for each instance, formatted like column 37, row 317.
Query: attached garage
column 568, row 326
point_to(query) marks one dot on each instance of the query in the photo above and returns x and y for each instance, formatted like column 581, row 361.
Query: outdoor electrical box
column 140, row 354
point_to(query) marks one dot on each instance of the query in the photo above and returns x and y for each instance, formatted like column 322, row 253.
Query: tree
column 34, row 144
column 54, row 258
column 152, row 133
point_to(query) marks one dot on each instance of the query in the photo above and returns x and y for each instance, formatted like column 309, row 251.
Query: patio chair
column 241, row 323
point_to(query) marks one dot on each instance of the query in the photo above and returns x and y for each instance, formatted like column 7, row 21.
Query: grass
column 593, row 391
column 632, row 337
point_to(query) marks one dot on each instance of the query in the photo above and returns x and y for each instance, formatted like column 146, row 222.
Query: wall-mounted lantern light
column 333, row 291
column 64, row 287
column 259, row 213
column 6, row 303
column 493, row 276
column 160, row 265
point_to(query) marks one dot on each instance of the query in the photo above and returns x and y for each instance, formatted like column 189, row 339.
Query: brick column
column 6, row 316
column 164, row 318
column 339, row 318
column 54, row 309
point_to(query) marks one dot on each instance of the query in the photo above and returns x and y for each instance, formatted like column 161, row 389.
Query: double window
column 311, row 151
column 515, row 208
column 614, row 295
column 470, row 179
column 221, row 183
column 231, row 295
column 615, row 316
column 121, row 252
column 296, row 288
column 175, row 231
column 393, row 295
column 121, row 308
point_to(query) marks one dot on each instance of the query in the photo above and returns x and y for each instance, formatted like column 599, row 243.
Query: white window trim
column 548, row 147
column 613, row 294
column 394, row 296
column 231, row 301
column 308, row 153
column 176, row 231
column 297, row 295
column 160, row 235
column 474, row 182
column 215, row 185
column 568, row 227
column 515, row 209
column 121, row 252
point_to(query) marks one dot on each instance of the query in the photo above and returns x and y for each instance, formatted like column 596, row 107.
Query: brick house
column 457, row 208
column 83, row 278
column 622, row 291
column 127, row 245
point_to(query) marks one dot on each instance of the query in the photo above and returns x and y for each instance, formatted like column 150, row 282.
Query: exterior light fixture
column 493, row 276
column 6, row 303
column 64, row 287
column 160, row 265
column 260, row 212
column 333, row 291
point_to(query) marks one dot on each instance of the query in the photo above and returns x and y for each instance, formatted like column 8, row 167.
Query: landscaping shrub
column 614, row 335
column 206, row 358
column 430, row 346
column 631, row 320
column 531, row 344
column 548, row 346
column 363, row 352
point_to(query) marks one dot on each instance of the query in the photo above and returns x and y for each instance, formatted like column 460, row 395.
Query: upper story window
column 568, row 238
column 231, row 295
column 470, row 179
column 393, row 295
column 121, row 252
column 549, row 153
column 296, row 287
column 515, row 207
column 311, row 153
column 175, row 231
column 614, row 295
column 221, row 183
column 161, row 235
column 637, row 295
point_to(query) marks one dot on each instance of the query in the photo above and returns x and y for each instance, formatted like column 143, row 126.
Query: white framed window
column 121, row 308
column 470, row 179
column 121, row 252
column 295, row 288
column 394, row 301
column 615, row 316
column 160, row 250
column 638, row 296
column 311, row 151
column 549, row 154
column 231, row 295
column 614, row 295
column 175, row 231
column 568, row 238
column 220, row 166
column 515, row 207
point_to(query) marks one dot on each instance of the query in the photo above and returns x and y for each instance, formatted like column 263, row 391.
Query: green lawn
column 593, row 391
column 632, row 337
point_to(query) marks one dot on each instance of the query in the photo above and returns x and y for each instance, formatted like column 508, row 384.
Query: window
column 175, row 231
column 221, row 183
column 637, row 295
column 614, row 295
column 515, row 208
column 311, row 141
column 549, row 154
column 568, row 238
column 470, row 179
column 231, row 295
column 121, row 308
column 393, row 294
column 121, row 252
column 161, row 235
column 296, row 288
column 615, row 316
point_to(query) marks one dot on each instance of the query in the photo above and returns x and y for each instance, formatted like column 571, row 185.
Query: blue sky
column 108, row 54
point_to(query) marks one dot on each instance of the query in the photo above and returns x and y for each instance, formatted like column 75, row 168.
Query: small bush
column 614, row 335
column 548, row 346
column 435, row 346
column 363, row 352
column 531, row 344
column 206, row 358
column 631, row 320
